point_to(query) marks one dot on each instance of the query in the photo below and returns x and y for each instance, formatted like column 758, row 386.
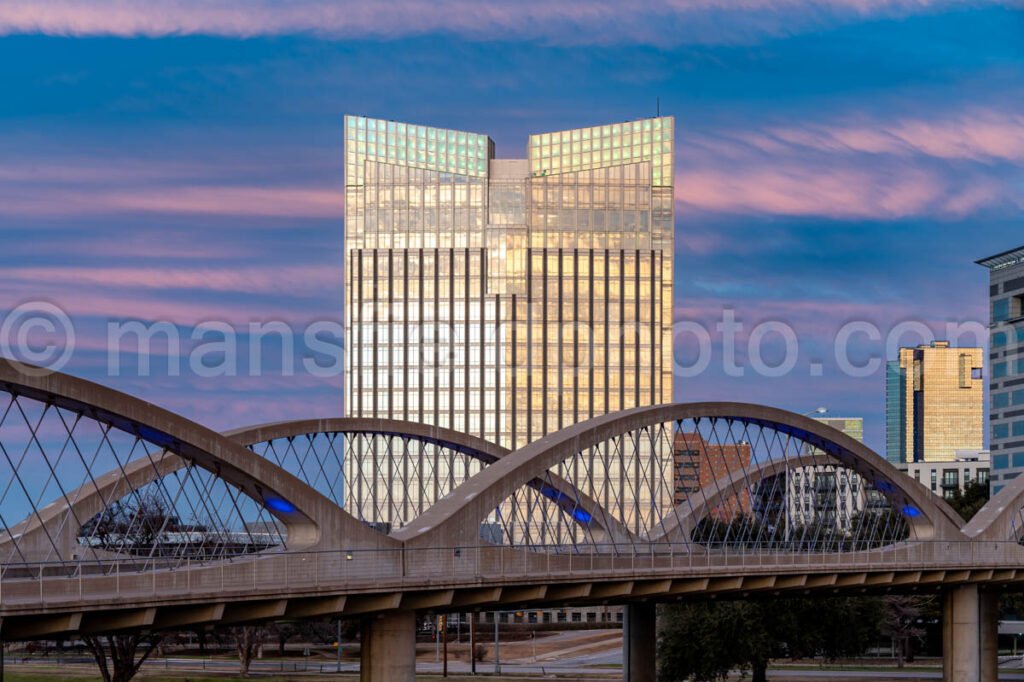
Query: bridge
column 117, row 515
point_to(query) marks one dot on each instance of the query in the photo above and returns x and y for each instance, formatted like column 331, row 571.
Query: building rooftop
column 1004, row 259
column 641, row 141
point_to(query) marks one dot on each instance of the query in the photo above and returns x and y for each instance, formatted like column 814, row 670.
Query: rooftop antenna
column 657, row 106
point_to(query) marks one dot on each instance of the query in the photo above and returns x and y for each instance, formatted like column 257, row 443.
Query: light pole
column 339, row 645
column 817, row 410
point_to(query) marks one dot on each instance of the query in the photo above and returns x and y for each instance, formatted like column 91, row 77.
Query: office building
column 506, row 298
column 851, row 426
column 944, row 478
column 895, row 413
column 934, row 403
column 701, row 465
column 800, row 497
column 825, row 493
column 1006, row 359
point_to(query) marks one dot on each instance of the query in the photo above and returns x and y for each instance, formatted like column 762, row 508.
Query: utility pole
column 444, row 630
column 472, row 643
column 627, row 664
column 497, row 647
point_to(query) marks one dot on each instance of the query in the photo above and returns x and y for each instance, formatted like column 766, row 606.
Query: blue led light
column 582, row 516
column 555, row 495
column 279, row 505
column 911, row 511
column 883, row 486
column 155, row 437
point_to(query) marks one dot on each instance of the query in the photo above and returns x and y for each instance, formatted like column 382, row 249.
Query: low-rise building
column 945, row 477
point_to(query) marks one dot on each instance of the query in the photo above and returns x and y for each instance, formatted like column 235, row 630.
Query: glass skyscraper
column 895, row 413
column 935, row 403
column 1006, row 354
column 507, row 298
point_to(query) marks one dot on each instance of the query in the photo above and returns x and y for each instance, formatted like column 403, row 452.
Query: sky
column 180, row 162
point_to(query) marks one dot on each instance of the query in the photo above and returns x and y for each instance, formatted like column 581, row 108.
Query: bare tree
column 248, row 640
column 118, row 657
column 900, row 618
column 311, row 631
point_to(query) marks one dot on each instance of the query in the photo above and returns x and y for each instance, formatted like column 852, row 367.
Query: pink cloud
column 702, row 243
column 70, row 183
column 262, row 279
column 142, row 245
column 793, row 189
column 245, row 201
column 215, row 403
column 981, row 134
column 128, row 304
column 600, row 21
column 251, row 201
column 821, row 319
column 786, row 310
column 874, row 169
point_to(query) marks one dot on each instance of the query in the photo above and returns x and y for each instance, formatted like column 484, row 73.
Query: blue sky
column 182, row 161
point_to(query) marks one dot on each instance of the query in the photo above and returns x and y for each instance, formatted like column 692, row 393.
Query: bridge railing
column 406, row 569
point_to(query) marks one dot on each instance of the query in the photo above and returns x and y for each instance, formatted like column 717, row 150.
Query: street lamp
column 816, row 412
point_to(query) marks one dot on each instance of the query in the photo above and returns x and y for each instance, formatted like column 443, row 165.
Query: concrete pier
column 640, row 643
column 389, row 648
column 969, row 635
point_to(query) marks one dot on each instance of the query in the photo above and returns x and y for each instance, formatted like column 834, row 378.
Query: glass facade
column 412, row 146
column 895, row 413
column 511, row 298
column 1006, row 296
column 507, row 298
column 934, row 403
column 606, row 146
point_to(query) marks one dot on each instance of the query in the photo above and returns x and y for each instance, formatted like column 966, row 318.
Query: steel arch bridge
column 116, row 514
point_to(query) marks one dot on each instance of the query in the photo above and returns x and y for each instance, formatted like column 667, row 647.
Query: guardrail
column 273, row 573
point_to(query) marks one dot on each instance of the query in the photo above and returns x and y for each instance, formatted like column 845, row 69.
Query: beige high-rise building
column 506, row 298
column 935, row 403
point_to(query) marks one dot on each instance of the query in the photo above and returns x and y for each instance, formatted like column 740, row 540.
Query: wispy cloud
column 262, row 279
column 598, row 21
column 870, row 169
column 791, row 188
column 229, row 200
column 229, row 179
column 978, row 135
column 124, row 304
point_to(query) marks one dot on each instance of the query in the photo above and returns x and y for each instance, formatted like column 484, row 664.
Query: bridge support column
column 639, row 643
column 989, row 616
column 388, row 651
column 970, row 635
